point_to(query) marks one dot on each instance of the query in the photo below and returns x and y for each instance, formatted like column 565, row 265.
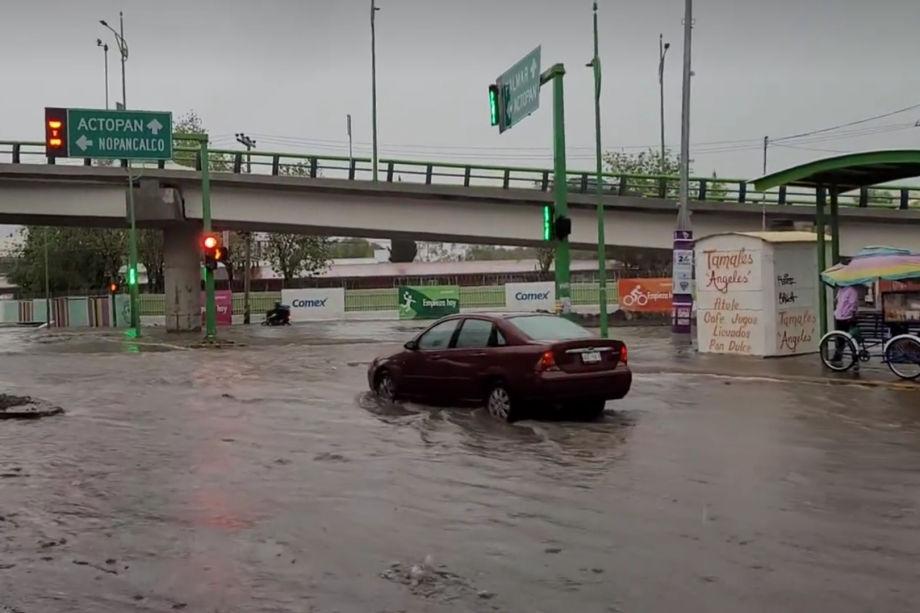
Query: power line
column 846, row 125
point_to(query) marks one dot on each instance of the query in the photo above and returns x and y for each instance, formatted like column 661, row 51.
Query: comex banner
column 315, row 303
column 530, row 296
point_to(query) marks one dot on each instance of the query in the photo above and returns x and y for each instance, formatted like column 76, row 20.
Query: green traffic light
column 547, row 222
column 493, row 104
column 132, row 276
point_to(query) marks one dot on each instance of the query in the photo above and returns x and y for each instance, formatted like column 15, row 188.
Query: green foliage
column 150, row 254
column 191, row 123
column 646, row 163
column 351, row 248
column 296, row 255
column 82, row 259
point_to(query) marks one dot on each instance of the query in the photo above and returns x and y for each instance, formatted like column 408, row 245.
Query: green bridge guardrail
column 707, row 189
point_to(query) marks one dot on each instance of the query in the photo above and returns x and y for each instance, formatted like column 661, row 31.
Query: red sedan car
column 508, row 362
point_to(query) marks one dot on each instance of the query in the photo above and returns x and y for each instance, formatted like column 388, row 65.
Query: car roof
column 501, row 315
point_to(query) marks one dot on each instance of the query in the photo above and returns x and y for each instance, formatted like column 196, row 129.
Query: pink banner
column 224, row 301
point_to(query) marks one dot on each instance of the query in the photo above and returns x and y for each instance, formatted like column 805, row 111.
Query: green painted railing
column 371, row 300
column 707, row 189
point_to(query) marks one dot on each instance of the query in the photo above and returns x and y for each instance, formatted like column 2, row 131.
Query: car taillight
column 547, row 362
column 624, row 354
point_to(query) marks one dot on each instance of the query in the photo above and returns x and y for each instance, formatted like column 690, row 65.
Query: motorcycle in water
column 280, row 315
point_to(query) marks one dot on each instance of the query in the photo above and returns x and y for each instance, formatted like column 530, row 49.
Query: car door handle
column 480, row 354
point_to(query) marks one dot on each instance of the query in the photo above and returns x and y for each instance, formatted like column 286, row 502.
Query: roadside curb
column 872, row 383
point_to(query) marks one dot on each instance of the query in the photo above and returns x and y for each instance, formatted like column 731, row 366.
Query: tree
column 191, row 123
column 293, row 255
column 645, row 163
column 80, row 259
column 351, row 248
column 546, row 255
column 150, row 254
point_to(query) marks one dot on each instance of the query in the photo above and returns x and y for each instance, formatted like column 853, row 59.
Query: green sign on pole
column 519, row 90
column 428, row 302
column 130, row 135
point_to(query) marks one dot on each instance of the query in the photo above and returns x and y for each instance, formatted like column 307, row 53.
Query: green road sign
column 428, row 302
column 520, row 90
column 130, row 135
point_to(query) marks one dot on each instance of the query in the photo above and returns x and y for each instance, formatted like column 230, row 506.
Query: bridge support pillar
column 182, row 277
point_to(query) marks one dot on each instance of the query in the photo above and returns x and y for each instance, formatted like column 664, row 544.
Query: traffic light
column 113, row 287
column 132, row 275
column 212, row 251
column 547, row 222
column 55, row 132
column 494, row 104
column 563, row 227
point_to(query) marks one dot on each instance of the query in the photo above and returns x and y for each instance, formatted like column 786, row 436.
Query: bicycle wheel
column 902, row 353
column 838, row 351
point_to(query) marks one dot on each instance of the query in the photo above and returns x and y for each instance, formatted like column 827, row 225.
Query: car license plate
column 591, row 357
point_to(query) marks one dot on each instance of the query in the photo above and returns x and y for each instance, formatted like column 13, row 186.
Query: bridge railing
column 709, row 189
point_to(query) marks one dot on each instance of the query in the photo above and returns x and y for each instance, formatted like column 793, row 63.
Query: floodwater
column 264, row 478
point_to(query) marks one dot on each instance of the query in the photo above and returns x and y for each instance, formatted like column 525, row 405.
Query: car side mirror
column 411, row 345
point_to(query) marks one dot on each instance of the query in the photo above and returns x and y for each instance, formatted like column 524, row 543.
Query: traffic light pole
column 560, row 187
column 210, row 306
column 132, row 257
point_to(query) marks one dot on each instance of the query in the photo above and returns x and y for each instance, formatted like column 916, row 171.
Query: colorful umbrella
column 872, row 264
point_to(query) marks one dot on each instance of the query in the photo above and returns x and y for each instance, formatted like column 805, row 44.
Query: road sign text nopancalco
column 101, row 133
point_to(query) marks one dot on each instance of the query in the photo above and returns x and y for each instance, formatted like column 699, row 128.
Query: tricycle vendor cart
column 842, row 350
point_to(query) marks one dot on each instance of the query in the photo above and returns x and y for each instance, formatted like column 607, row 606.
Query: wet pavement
column 264, row 478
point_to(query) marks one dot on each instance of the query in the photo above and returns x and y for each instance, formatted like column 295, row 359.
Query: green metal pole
column 822, row 259
column 132, row 258
column 560, row 188
column 835, row 228
column 210, row 306
column 601, row 239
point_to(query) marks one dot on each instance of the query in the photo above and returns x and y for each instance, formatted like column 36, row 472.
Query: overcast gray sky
column 287, row 71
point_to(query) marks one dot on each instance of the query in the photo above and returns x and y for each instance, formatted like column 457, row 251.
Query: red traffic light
column 210, row 242
column 113, row 287
column 55, row 131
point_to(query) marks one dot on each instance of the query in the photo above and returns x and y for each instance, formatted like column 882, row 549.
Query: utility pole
column 662, row 52
column 374, row 9
column 132, row 237
column 682, row 266
column 247, row 235
column 351, row 157
column 763, row 196
column 595, row 63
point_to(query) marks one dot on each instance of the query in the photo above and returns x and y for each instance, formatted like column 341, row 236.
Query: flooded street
column 264, row 478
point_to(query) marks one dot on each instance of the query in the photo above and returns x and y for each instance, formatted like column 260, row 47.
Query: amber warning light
column 55, row 131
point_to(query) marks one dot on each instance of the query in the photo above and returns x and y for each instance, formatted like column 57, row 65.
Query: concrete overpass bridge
column 419, row 200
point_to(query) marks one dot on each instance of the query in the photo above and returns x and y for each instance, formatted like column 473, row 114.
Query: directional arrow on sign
column 155, row 126
column 533, row 68
column 84, row 142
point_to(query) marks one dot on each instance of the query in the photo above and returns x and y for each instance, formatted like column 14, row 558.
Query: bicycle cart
column 895, row 328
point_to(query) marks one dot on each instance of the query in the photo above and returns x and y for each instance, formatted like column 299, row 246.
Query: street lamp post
column 247, row 236
column 595, row 63
column 374, row 9
column 662, row 52
column 105, row 53
column 132, row 238
column 682, row 264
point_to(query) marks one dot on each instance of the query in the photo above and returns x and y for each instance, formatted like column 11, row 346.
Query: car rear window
column 549, row 328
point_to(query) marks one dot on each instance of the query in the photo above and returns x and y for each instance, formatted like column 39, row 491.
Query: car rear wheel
column 591, row 409
column 499, row 403
column 386, row 387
